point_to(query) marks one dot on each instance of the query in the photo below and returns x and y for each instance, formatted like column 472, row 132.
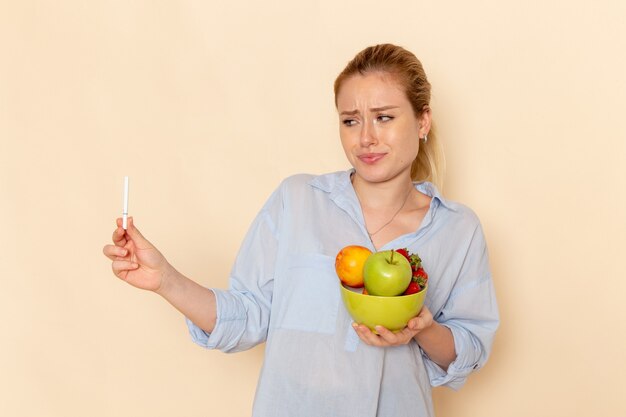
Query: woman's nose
column 368, row 134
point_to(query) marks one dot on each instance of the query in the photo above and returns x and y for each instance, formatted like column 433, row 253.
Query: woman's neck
column 382, row 195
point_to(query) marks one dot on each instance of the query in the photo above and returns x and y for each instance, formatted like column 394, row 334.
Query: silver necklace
column 406, row 198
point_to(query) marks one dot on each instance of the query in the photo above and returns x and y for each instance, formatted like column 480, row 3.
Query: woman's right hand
column 135, row 259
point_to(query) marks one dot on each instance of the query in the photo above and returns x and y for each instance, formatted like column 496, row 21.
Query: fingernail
column 354, row 325
column 134, row 265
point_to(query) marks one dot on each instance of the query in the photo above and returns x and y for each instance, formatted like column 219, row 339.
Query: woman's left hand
column 386, row 337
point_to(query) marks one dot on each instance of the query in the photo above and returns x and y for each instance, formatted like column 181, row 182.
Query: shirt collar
column 431, row 190
column 337, row 183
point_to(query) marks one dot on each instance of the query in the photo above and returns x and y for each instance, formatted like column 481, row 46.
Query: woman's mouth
column 371, row 158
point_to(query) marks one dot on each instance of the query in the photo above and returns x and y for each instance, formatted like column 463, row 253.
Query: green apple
column 386, row 273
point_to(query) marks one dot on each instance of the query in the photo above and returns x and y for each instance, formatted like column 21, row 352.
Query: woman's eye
column 349, row 122
column 383, row 118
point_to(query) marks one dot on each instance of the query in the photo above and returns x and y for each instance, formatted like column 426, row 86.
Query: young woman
column 283, row 286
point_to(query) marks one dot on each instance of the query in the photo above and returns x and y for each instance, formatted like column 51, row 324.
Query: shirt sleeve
column 243, row 310
column 471, row 313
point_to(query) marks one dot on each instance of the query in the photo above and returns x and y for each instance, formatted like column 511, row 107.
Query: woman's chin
column 373, row 174
column 376, row 176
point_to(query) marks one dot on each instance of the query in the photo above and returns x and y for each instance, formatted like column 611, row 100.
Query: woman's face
column 378, row 128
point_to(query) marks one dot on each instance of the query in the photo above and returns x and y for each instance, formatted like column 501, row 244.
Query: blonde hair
column 429, row 165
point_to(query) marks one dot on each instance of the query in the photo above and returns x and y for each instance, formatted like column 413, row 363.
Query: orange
column 349, row 264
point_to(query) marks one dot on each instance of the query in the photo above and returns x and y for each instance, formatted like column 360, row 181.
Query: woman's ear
column 425, row 120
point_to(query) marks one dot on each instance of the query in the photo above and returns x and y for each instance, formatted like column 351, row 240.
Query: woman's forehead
column 375, row 88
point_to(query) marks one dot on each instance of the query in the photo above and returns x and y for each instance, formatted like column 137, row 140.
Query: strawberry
column 420, row 277
column 404, row 252
column 412, row 288
column 420, row 273
column 415, row 261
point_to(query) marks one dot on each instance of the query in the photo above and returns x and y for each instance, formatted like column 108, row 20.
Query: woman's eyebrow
column 373, row 110
column 376, row 109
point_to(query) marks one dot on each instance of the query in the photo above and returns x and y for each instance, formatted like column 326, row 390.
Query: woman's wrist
column 169, row 275
column 427, row 334
column 438, row 343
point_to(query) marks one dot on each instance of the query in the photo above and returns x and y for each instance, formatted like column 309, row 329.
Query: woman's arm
column 139, row 263
column 438, row 343
column 196, row 302
column 436, row 340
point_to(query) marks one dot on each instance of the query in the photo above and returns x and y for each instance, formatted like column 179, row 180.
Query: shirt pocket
column 310, row 296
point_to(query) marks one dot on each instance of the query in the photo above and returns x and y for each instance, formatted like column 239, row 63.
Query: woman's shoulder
column 326, row 182
column 461, row 211
column 296, row 180
column 454, row 211
column 462, row 221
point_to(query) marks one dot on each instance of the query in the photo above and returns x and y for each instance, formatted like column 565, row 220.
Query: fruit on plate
column 350, row 267
column 412, row 288
column 387, row 273
column 420, row 277
column 349, row 264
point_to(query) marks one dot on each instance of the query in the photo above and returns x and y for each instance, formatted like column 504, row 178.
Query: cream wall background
column 208, row 105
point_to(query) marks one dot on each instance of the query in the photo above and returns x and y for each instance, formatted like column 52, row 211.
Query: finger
column 401, row 337
column 113, row 252
column 414, row 324
column 366, row 335
column 406, row 334
column 136, row 235
column 119, row 236
column 387, row 335
column 121, row 266
column 425, row 317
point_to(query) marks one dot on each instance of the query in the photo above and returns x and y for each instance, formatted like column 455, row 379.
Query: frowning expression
column 378, row 128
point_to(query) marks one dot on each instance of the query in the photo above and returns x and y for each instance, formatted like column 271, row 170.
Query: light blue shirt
column 284, row 291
